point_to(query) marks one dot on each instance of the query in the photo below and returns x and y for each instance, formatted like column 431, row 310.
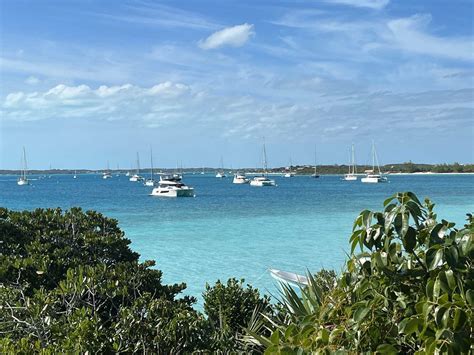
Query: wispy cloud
column 32, row 80
column 410, row 34
column 372, row 4
column 235, row 36
column 159, row 15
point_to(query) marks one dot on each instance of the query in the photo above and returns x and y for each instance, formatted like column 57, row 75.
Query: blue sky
column 86, row 82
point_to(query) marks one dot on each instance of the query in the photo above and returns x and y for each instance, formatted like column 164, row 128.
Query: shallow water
column 236, row 230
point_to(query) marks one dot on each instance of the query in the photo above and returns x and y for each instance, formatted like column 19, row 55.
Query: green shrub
column 410, row 290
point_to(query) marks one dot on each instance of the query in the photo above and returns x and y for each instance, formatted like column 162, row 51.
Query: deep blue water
column 234, row 230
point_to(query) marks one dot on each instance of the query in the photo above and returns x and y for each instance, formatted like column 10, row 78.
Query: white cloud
column 12, row 99
column 319, row 109
column 68, row 92
column 168, row 89
column 32, row 80
column 372, row 4
column 235, row 36
column 409, row 35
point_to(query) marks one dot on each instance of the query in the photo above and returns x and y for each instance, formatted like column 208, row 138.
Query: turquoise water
column 236, row 230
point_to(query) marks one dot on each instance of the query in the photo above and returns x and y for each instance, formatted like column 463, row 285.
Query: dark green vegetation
column 410, row 290
column 70, row 283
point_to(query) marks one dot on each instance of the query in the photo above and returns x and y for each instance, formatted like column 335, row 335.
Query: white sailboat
column 23, row 179
column 221, row 174
column 263, row 180
column 106, row 174
column 75, row 175
column 136, row 177
column 351, row 176
column 372, row 177
column 289, row 173
column 150, row 181
column 315, row 175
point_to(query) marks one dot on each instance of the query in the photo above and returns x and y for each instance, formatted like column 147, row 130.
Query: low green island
column 395, row 168
column 70, row 283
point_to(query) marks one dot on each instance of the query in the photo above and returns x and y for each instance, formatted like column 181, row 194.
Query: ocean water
column 238, row 231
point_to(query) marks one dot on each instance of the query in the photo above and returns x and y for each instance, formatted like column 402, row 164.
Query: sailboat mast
column 264, row 157
column 25, row 166
column 354, row 169
column 377, row 161
column 138, row 164
column 151, row 160
column 315, row 161
column 373, row 156
column 350, row 164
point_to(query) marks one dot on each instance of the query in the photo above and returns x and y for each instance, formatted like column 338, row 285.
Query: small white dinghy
column 289, row 278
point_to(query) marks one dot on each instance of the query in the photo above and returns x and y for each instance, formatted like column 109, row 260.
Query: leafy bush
column 410, row 290
column 230, row 308
column 70, row 283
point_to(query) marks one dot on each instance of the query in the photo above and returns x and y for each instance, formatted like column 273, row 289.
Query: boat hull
column 240, row 181
column 165, row 192
column 350, row 178
column 373, row 180
column 23, row 182
column 258, row 183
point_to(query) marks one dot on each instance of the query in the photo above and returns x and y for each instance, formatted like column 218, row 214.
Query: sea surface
column 238, row 231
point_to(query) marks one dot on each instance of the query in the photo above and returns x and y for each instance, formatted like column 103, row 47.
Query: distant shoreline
column 212, row 171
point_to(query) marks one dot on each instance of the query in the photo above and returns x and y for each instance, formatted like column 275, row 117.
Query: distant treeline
column 408, row 167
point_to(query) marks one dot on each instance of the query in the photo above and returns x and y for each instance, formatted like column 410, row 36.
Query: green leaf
column 409, row 240
column 470, row 297
column 387, row 349
column 361, row 313
column 452, row 256
column 436, row 289
column 275, row 337
column 429, row 289
column 388, row 200
column 411, row 326
column 437, row 260
column 459, row 319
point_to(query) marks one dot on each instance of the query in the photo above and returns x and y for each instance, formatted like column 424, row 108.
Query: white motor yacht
column 289, row 174
column 240, row 179
column 23, row 179
column 172, row 186
column 261, row 181
column 372, row 177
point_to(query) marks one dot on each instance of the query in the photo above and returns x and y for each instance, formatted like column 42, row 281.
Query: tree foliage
column 409, row 290
column 70, row 283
